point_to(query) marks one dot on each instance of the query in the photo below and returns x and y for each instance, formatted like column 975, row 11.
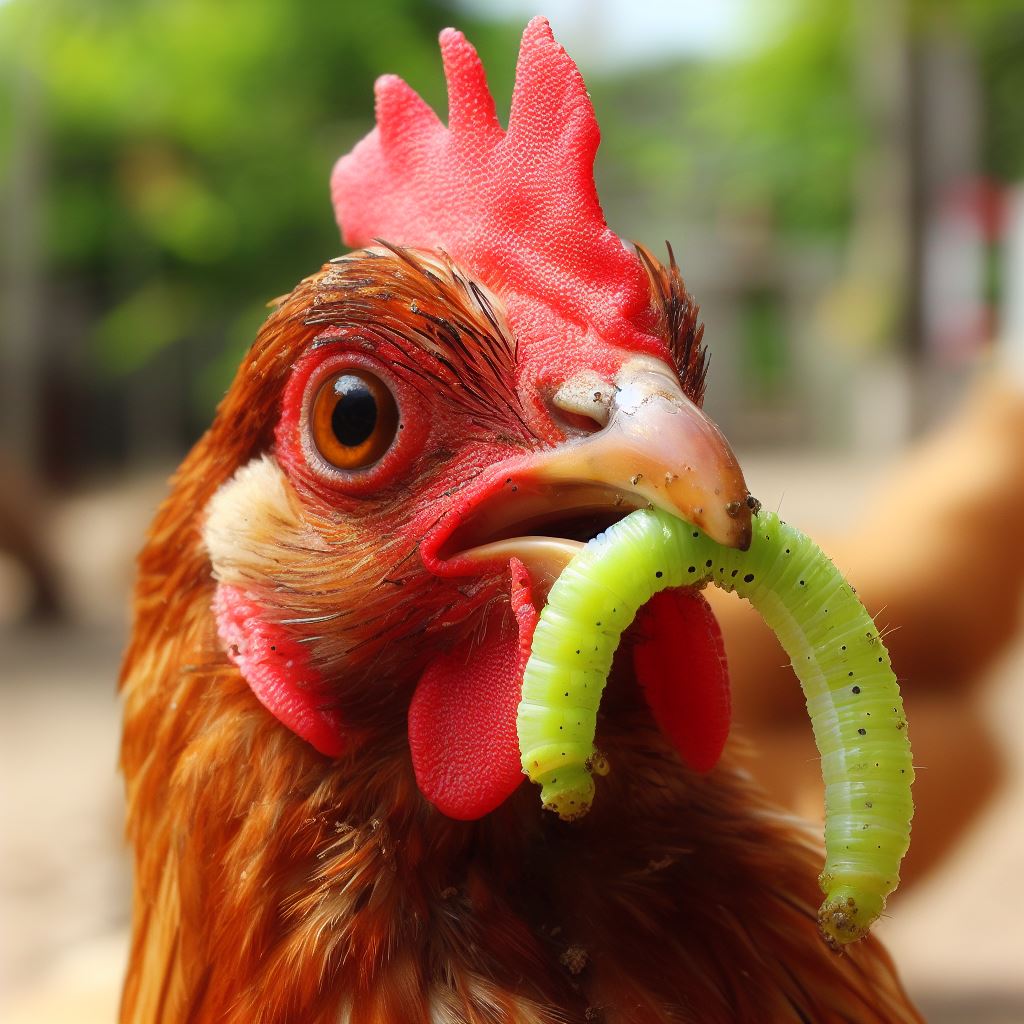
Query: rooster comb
column 517, row 207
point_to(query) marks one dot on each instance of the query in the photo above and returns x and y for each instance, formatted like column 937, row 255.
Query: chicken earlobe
column 278, row 671
column 251, row 513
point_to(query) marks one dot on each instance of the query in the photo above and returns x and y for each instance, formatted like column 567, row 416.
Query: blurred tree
column 834, row 139
column 179, row 151
column 782, row 124
column 187, row 152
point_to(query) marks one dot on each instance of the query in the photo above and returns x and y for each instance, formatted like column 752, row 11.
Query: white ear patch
column 250, row 520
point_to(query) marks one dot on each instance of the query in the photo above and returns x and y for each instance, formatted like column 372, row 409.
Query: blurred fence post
column 20, row 320
column 1011, row 335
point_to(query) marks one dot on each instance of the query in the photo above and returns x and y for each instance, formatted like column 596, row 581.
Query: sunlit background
column 843, row 186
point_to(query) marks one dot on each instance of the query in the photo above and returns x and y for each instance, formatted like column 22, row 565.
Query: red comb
column 518, row 208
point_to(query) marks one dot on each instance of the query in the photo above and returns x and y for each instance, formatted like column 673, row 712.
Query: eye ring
column 353, row 419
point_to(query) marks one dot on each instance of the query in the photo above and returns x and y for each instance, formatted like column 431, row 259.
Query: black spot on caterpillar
column 790, row 581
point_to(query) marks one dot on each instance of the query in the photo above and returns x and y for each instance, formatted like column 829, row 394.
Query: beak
column 659, row 447
column 654, row 447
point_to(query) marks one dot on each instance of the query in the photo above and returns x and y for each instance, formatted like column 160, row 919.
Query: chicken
column 335, row 604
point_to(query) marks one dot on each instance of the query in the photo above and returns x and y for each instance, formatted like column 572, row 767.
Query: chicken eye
column 354, row 419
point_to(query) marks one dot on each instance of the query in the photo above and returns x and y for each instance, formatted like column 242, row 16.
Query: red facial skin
column 462, row 719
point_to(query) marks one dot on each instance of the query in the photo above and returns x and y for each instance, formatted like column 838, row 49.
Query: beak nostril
column 575, row 424
column 584, row 401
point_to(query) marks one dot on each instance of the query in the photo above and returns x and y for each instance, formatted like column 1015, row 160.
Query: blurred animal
column 335, row 603
column 28, row 584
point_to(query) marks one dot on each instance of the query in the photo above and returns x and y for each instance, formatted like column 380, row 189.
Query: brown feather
column 679, row 322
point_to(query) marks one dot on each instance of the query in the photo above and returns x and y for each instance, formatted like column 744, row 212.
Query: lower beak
column 656, row 448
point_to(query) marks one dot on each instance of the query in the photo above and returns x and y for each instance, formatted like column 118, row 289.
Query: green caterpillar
column 852, row 695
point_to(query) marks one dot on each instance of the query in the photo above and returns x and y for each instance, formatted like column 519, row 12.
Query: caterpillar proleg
column 852, row 695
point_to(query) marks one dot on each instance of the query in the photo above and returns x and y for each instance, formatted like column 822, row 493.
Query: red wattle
column 679, row 661
column 277, row 669
column 462, row 718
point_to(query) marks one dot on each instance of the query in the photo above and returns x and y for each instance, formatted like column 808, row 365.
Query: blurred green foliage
column 789, row 121
column 779, row 130
column 187, row 144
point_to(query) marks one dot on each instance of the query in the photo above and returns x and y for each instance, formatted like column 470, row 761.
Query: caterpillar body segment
column 589, row 606
column 852, row 695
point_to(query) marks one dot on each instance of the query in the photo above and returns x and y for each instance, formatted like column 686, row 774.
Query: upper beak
column 654, row 447
column 658, row 446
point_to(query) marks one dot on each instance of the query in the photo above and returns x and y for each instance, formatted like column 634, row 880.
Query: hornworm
column 852, row 695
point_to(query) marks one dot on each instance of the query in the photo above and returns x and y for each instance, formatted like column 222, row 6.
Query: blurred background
column 843, row 185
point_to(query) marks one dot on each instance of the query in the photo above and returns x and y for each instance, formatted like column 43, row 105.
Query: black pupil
column 355, row 414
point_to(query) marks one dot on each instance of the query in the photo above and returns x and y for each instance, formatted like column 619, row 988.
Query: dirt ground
column 958, row 936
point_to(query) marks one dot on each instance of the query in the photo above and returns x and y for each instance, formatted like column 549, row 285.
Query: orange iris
column 354, row 419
